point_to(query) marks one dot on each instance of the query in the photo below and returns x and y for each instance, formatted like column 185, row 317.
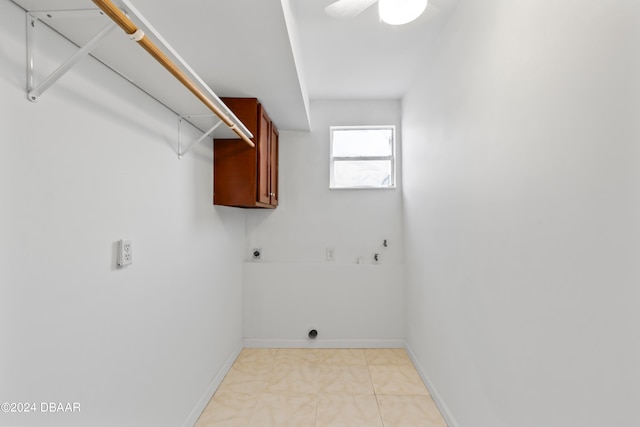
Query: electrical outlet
column 125, row 252
column 331, row 255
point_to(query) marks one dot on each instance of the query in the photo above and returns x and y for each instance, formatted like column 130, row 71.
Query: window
column 362, row 157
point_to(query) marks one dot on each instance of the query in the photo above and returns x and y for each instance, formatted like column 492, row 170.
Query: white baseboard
column 320, row 343
column 215, row 383
column 444, row 409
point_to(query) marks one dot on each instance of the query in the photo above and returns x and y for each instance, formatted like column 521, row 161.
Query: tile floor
column 322, row 388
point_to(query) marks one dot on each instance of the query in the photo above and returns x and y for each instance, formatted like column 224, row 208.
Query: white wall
column 310, row 218
column 92, row 162
column 349, row 305
column 522, row 195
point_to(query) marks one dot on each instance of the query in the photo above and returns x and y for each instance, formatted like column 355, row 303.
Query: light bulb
column 398, row 12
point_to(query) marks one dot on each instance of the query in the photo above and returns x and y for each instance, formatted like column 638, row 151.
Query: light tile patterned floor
column 322, row 388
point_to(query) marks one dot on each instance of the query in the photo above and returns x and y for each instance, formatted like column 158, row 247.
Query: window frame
column 391, row 158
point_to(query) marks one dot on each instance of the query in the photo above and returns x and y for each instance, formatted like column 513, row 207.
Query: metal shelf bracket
column 34, row 91
column 184, row 149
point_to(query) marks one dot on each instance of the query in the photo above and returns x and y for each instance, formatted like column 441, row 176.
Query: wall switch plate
column 125, row 252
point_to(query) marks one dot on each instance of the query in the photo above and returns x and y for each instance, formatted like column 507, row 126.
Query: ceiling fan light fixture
column 399, row 12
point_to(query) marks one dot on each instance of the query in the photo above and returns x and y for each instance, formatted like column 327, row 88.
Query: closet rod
column 123, row 21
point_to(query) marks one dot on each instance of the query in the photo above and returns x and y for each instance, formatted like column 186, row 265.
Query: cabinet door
column 273, row 164
column 264, row 133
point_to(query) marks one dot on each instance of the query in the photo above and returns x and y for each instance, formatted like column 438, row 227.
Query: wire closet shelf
column 77, row 20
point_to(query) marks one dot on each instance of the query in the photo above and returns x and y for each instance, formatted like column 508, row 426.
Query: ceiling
column 285, row 52
column 361, row 57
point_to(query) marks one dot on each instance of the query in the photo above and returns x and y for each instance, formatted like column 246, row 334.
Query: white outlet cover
column 331, row 254
column 125, row 252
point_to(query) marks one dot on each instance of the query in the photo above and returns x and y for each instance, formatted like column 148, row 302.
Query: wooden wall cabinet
column 243, row 176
